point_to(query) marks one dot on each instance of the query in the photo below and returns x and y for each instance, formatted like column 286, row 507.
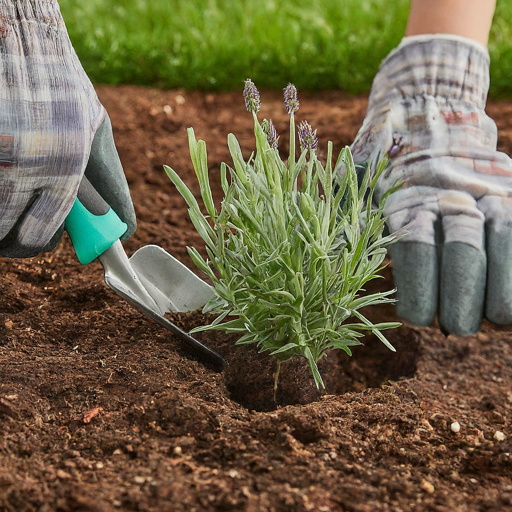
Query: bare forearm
column 466, row 18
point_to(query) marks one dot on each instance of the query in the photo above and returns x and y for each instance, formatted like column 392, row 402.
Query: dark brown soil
column 102, row 410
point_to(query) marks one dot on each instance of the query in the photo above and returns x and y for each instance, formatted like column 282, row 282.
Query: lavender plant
column 287, row 254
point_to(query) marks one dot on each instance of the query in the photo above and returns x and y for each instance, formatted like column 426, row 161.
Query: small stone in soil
column 455, row 427
column 427, row 486
column 499, row 436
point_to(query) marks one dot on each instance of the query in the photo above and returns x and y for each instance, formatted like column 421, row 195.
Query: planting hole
column 249, row 377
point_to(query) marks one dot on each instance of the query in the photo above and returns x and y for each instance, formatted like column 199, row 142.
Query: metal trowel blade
column 173, row 286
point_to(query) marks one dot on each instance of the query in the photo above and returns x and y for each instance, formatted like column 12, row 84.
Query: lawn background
column 216, row 44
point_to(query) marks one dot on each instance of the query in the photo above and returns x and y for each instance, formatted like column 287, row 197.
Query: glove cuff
column 439, row 65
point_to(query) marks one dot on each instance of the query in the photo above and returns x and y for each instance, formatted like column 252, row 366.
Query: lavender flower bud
column 270, row 131
column 397, row 145
column 252, row 97
column 291, row 101
column 307, row 137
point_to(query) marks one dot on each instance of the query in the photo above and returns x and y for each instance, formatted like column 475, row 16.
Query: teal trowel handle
column 91, row 224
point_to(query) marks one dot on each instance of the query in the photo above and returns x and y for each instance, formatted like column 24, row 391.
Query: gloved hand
column 426, row 111
column 52, row 129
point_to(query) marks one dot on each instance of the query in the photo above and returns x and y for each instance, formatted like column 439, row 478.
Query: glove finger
column 415, row 259
column 105, row 172
column 463, row 278
column 498, row 213
column 464, row 264
column 55, row 240
column 499, row 286
column 34, row 231
column 415, row 272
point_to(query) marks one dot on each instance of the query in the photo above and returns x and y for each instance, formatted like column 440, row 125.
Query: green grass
column 500, row 48
column 216, row 44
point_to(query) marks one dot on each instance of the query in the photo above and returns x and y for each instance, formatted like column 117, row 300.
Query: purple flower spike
column 270, row 131
column 252, row 97
column 307, row 137
column 291, row 101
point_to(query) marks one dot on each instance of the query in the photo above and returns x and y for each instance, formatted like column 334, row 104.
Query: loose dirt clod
column 89, row 415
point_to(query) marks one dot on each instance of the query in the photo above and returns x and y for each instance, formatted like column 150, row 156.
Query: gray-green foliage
column 287, row 254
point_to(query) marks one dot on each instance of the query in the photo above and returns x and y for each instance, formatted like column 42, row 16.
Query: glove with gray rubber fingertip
column 52, row 126
column 426, row 112
column 105, row 172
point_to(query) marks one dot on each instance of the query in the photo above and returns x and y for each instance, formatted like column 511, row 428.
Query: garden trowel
column 152, row 280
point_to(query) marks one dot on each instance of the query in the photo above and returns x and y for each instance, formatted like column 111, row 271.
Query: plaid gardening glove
column 426, row 112
column 52, row 129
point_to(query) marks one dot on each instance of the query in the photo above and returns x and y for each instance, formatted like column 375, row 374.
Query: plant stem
column 291, row 159
column 276, row 380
